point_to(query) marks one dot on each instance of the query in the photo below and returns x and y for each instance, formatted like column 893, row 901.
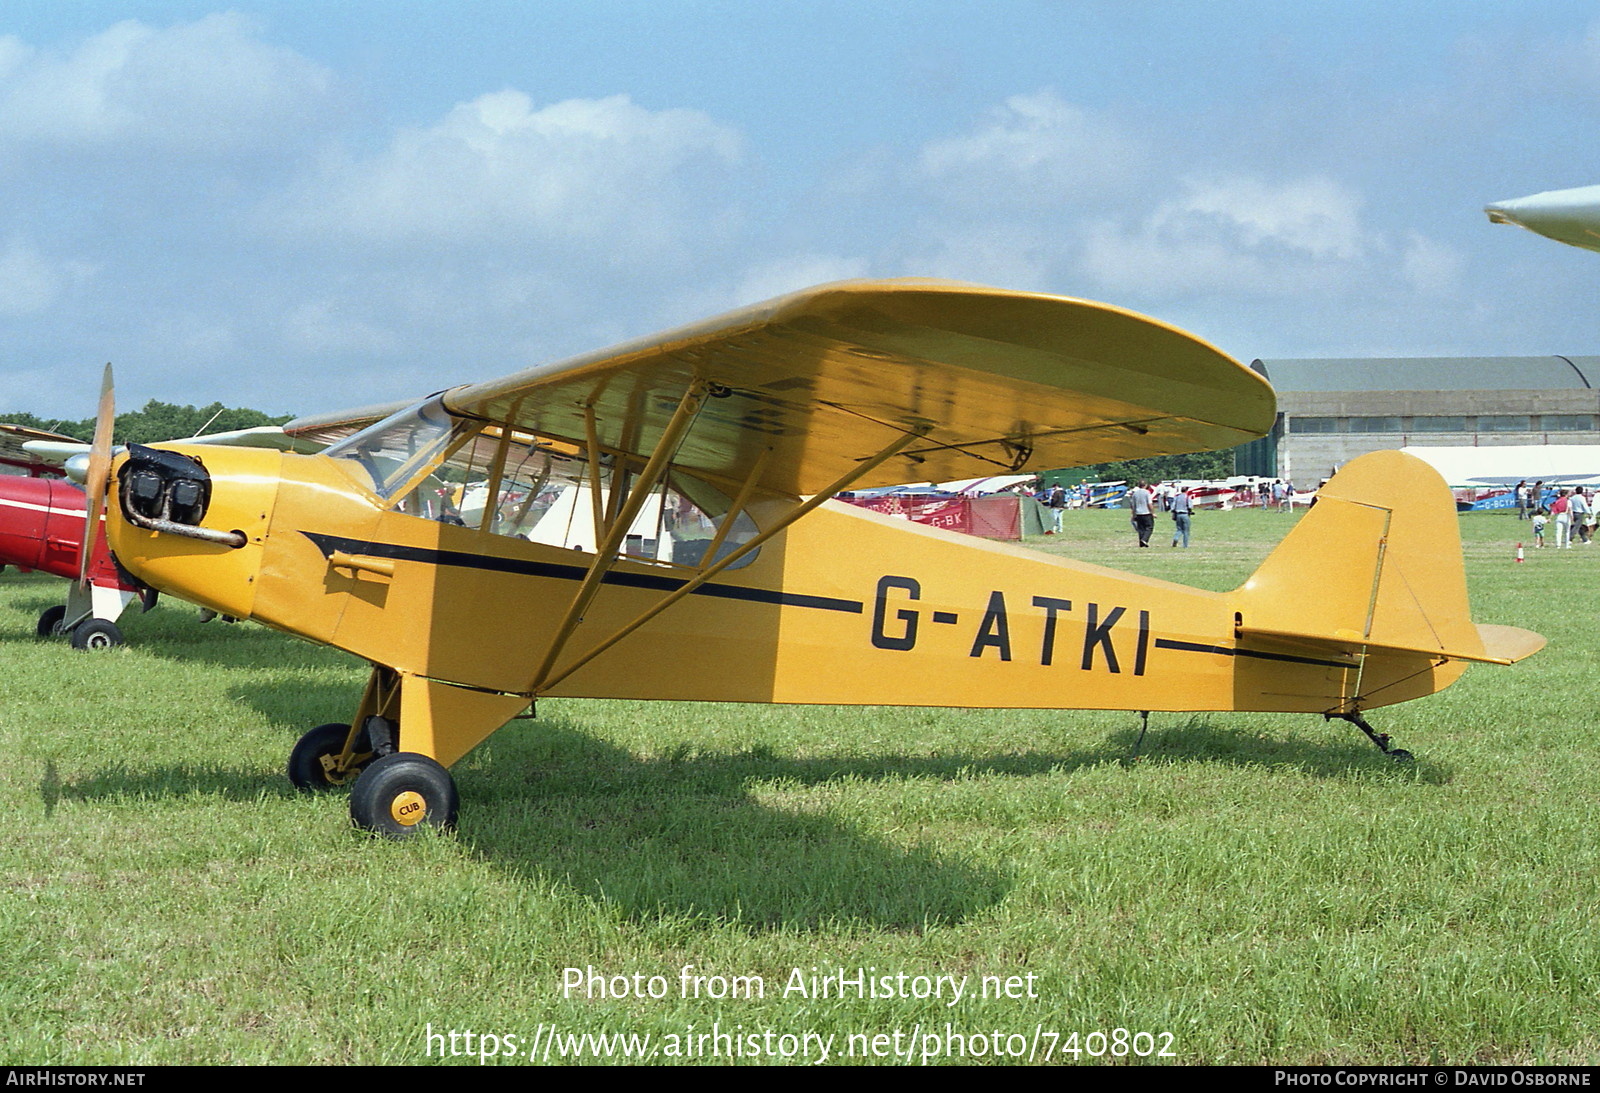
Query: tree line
column 157, row 421
column 1206, row 466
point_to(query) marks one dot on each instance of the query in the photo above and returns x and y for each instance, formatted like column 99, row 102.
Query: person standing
column 1522, row 499
column 1182, row 509
column 1056, row 502
column 1560, row 511
column 1578, row 506
column 1140, row 503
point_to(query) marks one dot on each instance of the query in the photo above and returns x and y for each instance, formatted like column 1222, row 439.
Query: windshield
column 388, row 455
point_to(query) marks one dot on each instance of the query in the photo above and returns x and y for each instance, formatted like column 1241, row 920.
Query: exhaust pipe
column 169, row 493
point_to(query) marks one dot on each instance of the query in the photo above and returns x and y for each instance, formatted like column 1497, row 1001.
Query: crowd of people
column 1145, row 499
column 1572, row 511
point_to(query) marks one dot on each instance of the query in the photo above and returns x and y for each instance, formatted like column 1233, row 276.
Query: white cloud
column 1005, row 253
column 30, row 282
column 1001, row 203
column 600, row 172
column 1237, row 234
column 1313, row 216
column 204, row 87
column 1036, row 149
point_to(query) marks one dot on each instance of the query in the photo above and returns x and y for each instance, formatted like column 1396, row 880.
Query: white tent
column 1552, row 464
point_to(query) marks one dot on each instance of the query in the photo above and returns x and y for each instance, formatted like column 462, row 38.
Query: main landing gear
column 395, row 793
column 1381, row 739
column 402, row 793
column 89, row 634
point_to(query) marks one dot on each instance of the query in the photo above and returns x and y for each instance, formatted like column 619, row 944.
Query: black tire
column 402, row 793
column 96, row 634
column 1401, row 756
column 305, row 759
column 50, row 622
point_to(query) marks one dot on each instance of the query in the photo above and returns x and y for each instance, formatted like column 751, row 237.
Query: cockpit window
column 389, row 455
column 426, row 463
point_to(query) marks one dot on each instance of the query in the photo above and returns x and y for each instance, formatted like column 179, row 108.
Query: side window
column 678, row 524
column 434, row 466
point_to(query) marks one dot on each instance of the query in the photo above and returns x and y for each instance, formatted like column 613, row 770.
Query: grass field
column 1256, row 889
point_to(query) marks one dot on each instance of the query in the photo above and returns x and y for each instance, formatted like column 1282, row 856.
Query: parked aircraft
column 1567, row 216
column 711, row 565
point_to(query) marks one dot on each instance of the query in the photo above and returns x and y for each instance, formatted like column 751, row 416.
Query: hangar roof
column 1431, row 373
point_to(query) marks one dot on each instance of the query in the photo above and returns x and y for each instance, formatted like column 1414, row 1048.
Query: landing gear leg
column 1144, row 727
column 1381, row 739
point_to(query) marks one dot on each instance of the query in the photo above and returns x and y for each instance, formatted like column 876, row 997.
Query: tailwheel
column 402, row 793
column 1381, row 739
column 96, row 634
column 50, row 622
column 313, row 762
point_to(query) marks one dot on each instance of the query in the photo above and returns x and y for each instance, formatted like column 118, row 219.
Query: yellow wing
column 820, row 380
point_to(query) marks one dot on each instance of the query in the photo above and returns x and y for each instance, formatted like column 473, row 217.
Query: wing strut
column 544, row 681
column 606, row 550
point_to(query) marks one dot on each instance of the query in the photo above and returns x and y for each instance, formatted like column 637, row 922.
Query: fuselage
column 845, row 606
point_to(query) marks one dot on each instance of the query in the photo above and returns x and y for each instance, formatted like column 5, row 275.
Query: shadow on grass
column 683, row 836
column 668, row 839
column 178, row 781
column 1344, row 754
column 689, row 834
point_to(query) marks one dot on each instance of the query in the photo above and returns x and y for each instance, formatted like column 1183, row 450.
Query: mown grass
column 1264, row 888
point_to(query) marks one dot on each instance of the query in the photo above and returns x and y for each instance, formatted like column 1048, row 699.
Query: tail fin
column 1376, row 565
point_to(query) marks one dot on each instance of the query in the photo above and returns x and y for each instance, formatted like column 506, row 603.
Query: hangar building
column 1332, row 410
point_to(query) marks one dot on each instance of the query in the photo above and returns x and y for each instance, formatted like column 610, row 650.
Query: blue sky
column 305, row 206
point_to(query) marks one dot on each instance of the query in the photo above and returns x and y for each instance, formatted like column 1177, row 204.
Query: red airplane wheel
column 50, row 622
column 96, row 634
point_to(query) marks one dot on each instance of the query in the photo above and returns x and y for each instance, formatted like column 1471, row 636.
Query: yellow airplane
column 654, row 521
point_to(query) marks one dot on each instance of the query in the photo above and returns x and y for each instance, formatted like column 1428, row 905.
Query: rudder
column 1375, row 563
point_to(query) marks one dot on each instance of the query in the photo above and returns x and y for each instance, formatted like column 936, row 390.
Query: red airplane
column 41, row 527
column 42, row 519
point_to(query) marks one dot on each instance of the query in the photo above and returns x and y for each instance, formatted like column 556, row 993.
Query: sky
column 304, row 206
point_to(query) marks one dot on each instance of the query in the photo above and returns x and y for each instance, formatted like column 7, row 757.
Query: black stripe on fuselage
column 1223, row 650
column 657, row 582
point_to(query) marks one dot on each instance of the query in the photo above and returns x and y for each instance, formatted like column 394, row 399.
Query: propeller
column 99, row 474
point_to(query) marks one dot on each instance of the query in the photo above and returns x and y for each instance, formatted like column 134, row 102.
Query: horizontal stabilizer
column 1509, row 644
column 1501, row 644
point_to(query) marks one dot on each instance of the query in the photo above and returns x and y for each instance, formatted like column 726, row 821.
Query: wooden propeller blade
column 99, row 474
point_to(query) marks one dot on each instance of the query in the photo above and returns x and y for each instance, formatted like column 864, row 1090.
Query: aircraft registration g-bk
column 654, row 521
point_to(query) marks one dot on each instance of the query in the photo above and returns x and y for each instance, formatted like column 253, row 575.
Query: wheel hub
column 408, row 808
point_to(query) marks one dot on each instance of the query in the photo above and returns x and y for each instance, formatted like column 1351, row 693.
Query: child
column 1539, row 521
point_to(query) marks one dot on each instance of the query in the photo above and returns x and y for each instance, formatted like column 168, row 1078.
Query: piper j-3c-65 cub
column 653, row 521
